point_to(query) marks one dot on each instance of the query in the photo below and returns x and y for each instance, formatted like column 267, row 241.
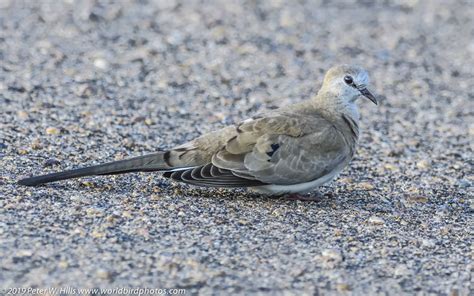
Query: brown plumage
column 291, row 149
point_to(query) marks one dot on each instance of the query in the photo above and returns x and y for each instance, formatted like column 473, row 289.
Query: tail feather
column 151, row 162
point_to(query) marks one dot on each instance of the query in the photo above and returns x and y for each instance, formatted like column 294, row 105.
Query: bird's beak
column 366, row 93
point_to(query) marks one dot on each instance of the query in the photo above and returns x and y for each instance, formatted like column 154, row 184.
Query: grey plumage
column 285, row 150
column 146, row 163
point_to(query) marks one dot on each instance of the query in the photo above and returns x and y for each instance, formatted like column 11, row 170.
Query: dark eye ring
column 348, row 79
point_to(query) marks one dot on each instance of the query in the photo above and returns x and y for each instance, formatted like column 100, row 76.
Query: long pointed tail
column 151, row 162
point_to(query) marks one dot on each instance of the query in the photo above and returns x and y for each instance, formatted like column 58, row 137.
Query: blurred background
column 83, row 81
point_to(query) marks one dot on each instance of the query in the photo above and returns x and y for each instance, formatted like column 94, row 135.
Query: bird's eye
column 348, row 80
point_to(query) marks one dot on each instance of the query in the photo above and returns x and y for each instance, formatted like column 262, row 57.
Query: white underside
column 286, row 189
column 295, row 188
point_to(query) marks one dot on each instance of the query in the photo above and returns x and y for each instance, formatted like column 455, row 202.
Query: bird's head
column 348, row 83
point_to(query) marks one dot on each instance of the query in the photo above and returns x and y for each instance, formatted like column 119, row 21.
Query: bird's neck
column 331, row 108
column 343, row 114
column 331, row 105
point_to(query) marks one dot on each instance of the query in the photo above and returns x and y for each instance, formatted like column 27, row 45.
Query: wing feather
column 219, row 178
column 281, row 148
column 285, row 150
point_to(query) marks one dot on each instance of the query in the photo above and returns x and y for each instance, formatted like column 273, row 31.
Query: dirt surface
column 83, row 82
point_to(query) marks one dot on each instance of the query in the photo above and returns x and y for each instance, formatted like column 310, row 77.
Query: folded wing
column 283, row 149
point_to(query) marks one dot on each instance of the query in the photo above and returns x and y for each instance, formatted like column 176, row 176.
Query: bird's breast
column 305, row 187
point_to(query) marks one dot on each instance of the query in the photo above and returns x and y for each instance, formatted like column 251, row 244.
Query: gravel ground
column 89, row 81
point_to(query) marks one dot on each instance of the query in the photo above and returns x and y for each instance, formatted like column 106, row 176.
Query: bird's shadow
column 326, row 195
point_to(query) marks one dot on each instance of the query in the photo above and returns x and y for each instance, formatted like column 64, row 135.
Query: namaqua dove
column 289, row 150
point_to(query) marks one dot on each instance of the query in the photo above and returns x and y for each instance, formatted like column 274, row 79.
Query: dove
column 286, row 151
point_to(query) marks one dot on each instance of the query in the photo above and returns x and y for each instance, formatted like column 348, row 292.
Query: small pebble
column 24, row 253
column 155, row 197
column 93, row 212
column 418, row 198
column 63, row 264
column 365, row 186
column 401, row 270
column 103, row 274
column 22, row 114
column 97, row 234
column 428, row 243
column 36, row 144
column 22, row 151
column 423, row 164
column 88, row 184
column 376, row 220
column 331, row 255
column 111, row 218
column 342, row 287
column 51, row 162
column 52, row 131
column 127, row 214
column 391, row 167
column 101, row 64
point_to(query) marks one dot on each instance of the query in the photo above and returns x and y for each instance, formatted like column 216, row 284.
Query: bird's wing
column 212, row 176
column 285, row 148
